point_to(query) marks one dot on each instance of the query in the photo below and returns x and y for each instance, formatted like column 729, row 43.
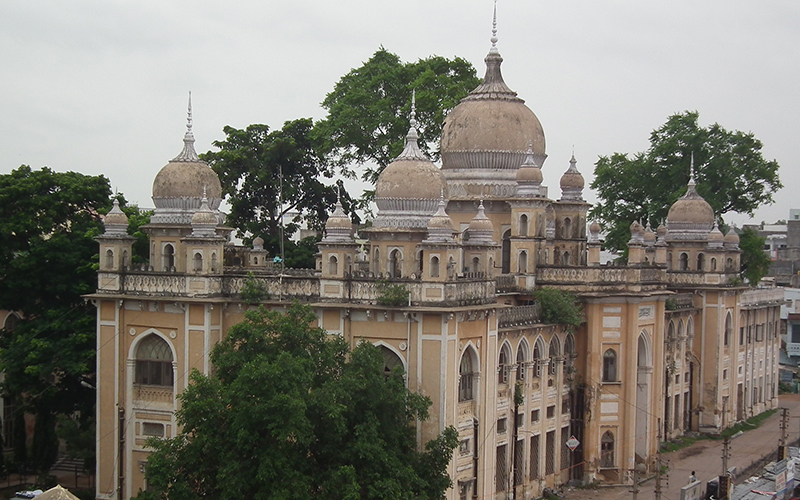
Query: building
column 672, row 341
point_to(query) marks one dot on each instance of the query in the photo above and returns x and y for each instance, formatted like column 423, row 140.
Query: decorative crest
column 691, row 171
column 414, row 122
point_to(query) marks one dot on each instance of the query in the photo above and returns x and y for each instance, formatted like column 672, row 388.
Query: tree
column 48, row 221
column 368, row 108
column 289, row 413
column 558, row 307
column 731, row 174
column 754, row 262
column 250, row 164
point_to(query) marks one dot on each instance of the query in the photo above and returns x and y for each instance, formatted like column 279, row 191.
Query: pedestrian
column 692, row 478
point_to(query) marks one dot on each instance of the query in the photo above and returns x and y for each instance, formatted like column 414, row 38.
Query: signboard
column 572, row 443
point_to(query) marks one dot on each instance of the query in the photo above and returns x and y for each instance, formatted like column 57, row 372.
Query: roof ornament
column 411, row 150
column 494, row 50
column 691, row 171
column 188, row 153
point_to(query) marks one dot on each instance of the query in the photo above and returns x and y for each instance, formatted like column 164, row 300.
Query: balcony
column 518, row 316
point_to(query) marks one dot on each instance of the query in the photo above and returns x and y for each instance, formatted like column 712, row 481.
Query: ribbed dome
column 572, row 182
column 409, row 188
column 491, row 127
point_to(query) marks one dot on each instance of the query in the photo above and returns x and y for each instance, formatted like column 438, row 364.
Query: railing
column 793, row 349
column 762, row 295
column 154, row 394
column 506, row 283
column 680, row 301
column 518, row 316
column 287, row 286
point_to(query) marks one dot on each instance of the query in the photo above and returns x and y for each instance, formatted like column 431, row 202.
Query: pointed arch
column 503, row 362
column 391, row 357
column 690, row 326
column 154, row 355
column 726, row 338
column 522, row 358
column 644, row 354
column 671, row 330
column 467, row 368
column 681, row 328
column 538, row 356
column 553, row 352
column 11, row 321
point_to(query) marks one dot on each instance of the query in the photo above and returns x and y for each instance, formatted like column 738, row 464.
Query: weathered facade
column 671, row 341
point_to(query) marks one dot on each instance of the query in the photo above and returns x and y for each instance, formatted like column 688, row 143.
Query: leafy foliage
column 368, row 108
column 250, row 164
column 754, row 262
column 290, row 413
column 731, row 174
column 392, row 294
column 254, row 290
column 559, row 307
column 48, row 221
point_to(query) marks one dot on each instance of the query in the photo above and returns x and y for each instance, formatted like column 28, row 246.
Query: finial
column 188, row 153
column 414, row 122
column 494, row 28
column 691, row 171
column 189, row 115
column 204, row 192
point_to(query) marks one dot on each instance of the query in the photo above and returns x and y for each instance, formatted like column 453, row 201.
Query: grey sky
column 100, row 86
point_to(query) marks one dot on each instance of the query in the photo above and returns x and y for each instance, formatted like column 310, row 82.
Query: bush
column 559, row 307
column 392, row 295
column 254, row 290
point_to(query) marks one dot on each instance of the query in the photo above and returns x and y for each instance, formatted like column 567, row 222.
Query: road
column 704, row 457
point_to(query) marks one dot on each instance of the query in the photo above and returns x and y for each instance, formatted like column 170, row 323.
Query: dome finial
column 691, row 171
column 411, row 149
column 494, row 29
column 413, row 121
column 188, row 153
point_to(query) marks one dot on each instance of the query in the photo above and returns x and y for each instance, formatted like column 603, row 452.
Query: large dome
column 691, row 217
column 491, row 127
column 181, row 185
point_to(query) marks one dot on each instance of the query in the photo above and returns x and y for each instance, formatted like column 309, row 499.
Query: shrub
column 559, row 307
column 392, row 294
column 254, row 290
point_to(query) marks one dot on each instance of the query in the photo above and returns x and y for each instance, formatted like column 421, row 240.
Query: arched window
column 214, row 262
column 11, row 322
column 728, row 330
column 669, row 261
column 465, row 374
column 565, row 259
column 154, row 362
column 377, row 264
column 537, row 360
column 671, row 331
column 610, row 366
column 729, row 265
column 680, row 329
column 556, row 257
column 607, row 450
column 333, row 265
column 434, row 267
column 169, row 257
column 569, row 351
column 395, row 263
column 713, row 264
column 198, row 262
column 390, row 360
column 502, row 364
column 523, row 225
column 553, row 354
column 523, row 262
column 124, row 262
column 109, row 259
column 521, row 355
column 505, row 255
column 684, row 262
column 476, row 265
column 566, row 228
column 701, row 262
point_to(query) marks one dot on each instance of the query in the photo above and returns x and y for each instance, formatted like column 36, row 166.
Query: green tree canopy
column 48, row 221
column 250, row 164
column 730, row 171
column 754, row 262
column 368, row 108
column 289, row 413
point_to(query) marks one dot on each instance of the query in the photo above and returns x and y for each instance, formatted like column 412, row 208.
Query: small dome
column 115, row 216
column 440, row 219
column 649, row 235
column 572, row 178
column 594, row 227
column 691, row 211
column 636, row 228
column 661, row 230
column 204, row 215
column 338, row 219
column 731, row 238
column 716, row 235
column 480, row 222
column 258, row 243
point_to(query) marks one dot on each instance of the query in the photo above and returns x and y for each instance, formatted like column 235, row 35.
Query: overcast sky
column 100, row 86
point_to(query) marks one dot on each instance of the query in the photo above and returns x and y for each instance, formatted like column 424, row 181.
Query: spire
column 494, row 50
column 691, row 172
column 493, row 86
column 411, row 149
column 188, row 153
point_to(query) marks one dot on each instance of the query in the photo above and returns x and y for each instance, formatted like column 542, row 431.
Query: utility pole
column 726, row 454
column 635, row 489
column 658, row 464
column 121, row 445
column 784, row 430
